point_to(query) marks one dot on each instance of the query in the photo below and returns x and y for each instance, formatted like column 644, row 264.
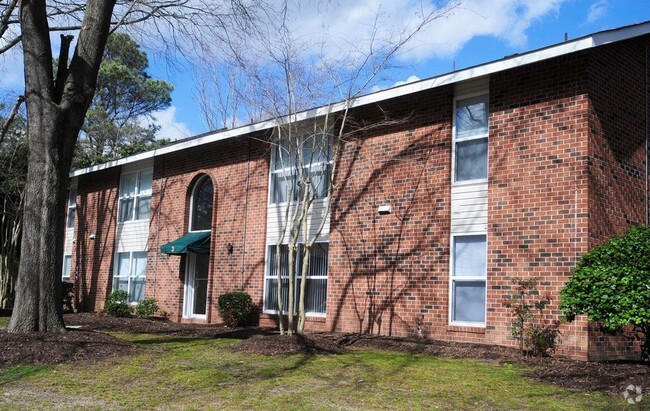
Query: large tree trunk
column 38, row 288
column 55, row 114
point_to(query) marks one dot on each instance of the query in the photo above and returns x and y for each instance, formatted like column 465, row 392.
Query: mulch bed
column 54, row 348
column 89, row 343
column 608, row 377
column 289, row 344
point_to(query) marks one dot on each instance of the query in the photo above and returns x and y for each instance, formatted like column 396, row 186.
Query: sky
column 476, row 32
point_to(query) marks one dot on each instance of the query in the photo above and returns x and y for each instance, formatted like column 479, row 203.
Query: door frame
column 188, row 289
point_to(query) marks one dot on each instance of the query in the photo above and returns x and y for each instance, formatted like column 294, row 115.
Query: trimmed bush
column 146, row 308
column 611, row 283
column 236, row 308
column 117, row 304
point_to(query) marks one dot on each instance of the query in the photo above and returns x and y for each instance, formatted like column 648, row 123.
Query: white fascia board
column 568, row 47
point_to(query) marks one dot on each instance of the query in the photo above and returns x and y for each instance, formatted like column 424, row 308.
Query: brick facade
column 567, row 169
column 95, row 225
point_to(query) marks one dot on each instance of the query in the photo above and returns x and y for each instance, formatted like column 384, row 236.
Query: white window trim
column 452, row 278
column 67, row 278
column 116, row 269
column 135, row 196
column 455, row 140
column 267, row 270
column 316, row 166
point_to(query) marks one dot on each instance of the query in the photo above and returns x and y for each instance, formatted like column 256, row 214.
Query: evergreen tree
column 125, row 94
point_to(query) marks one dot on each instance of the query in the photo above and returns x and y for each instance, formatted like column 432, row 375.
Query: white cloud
column 411, row 79
column 597, row 10
column 170, row 128
column 350, row 25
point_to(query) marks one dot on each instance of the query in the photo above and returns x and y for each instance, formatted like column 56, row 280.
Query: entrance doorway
column 196, row 286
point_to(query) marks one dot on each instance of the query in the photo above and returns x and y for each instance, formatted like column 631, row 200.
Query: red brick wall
column 226, row 164
column 617, row 156
column 92, row 260
column 537, row 221
column 554, row 146
column 388, row 274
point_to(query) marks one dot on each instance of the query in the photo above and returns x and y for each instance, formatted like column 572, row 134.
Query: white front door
column 196, row 286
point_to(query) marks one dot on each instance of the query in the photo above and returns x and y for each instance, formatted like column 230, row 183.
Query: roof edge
column 517, row 60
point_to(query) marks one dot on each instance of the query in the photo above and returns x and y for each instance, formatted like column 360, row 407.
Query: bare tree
column 56, row 107
column 7, row 122
column 287, row 81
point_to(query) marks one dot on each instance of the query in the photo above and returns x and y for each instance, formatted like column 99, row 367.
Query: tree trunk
column 303, row 286
column 307, row 244
column 38, row 287
column 9, row 237
column 278, row 268
column 55, row 114
column 293, row 247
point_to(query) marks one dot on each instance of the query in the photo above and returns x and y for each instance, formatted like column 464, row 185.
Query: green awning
column 198, row 243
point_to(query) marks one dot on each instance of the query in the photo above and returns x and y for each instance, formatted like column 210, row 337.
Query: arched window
column 201, row 205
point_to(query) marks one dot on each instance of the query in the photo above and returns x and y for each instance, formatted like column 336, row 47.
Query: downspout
column 647, row 140
column 243, row 253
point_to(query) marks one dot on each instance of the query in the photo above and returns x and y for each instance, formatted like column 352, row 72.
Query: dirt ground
column 86, row 342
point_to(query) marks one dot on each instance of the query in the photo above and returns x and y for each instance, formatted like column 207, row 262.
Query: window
column 316, row 287
column 130, row 271
column 201, row 208
column 72, row 207
column 67, row 265
column 471, row 139
column 468, row 279
column 135, row 195
column 305, row 158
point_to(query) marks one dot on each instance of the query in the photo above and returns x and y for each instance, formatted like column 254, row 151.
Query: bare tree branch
column 12, row 115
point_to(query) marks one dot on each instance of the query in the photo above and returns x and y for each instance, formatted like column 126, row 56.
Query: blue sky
column 574, row 17
column 477, row 32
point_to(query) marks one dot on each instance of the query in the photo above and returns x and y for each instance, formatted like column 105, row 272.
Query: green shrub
column 146, row 308
column 236, row 308
column 67, row 296
column 117, row 304
column 611, row 284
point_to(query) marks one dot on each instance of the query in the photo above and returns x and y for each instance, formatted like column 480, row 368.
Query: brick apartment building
column 513, row 168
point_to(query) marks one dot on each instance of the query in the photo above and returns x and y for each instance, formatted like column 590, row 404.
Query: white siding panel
column 132, row 236
column 469, row 208
column 479, row 85
column 137, row 166
column 68, row 244
column 277, row 216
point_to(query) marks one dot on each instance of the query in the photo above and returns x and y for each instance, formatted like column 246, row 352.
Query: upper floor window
column 471, row 139
column 72, row 207
column 297, row 163
column 135, row 195
column 201, row 205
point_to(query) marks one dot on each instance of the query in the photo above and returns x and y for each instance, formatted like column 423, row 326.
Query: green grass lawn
column 4, row 321
column 195, row 373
